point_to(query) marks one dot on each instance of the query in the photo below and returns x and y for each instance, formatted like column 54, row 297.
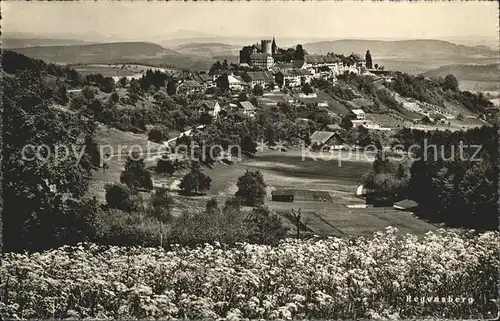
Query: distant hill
column 94, row 53
column 119, row 52
column 8, row 43
column 402, row 48
column 467, row 72
column 208, row 50
column 411, row 56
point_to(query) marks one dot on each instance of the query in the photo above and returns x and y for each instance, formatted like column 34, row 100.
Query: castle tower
column 274, row 47
column 266, row 46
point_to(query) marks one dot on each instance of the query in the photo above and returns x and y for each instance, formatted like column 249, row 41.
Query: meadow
column 334, row 278
column 324, row 184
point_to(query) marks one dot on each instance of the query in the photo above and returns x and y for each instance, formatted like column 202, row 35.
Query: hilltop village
column 273, row 68
column 282, row 138
column 350, row 86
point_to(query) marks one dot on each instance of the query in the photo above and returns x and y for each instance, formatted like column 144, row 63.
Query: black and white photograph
column 250, row 160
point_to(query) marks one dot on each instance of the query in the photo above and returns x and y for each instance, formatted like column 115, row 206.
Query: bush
column 265, row 226
column 258, row 90
column 107, row 85
column 450, row 82
column 135, row 174
column 158, row 135
column 120, row 197
column 117, row 227
column 88, row 94
column 77, row 103
column 195, row 181
column 165, row 166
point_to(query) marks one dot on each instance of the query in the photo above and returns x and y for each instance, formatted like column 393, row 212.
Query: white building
column 210, row 107
column 359, row 114
column 262, row 78
column 236, row 82
column 295, row 77
column 261, row 61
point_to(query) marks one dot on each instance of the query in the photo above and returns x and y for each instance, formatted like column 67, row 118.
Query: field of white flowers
column 299, row 279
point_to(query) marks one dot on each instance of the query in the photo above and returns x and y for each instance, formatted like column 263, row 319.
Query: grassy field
column 113, row 70
column 118, row 143
column 324, row 188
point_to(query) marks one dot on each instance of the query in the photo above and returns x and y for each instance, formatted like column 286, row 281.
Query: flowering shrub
column 298, row 279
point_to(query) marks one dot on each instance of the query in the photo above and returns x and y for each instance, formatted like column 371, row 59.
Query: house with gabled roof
column 359, row 114
column 324, row 140
column 210, row 107
column 262, row 78
column 230, row 82
column 205, row 80
column 248, row 108
column 293, row 77
column 189, row 87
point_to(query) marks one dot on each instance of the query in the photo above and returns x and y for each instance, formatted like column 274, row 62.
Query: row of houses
column 292, row 74
column 213, row 108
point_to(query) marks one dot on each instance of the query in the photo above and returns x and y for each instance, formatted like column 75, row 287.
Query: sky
column 144, row 20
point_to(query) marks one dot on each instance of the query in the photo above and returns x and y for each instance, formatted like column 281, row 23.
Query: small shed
column 283, row 195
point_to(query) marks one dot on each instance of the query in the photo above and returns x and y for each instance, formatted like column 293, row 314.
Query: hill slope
column 208, row 50
column 402, row 48
column 120, row 52
column 411, row 56
column 470, row 72
column 8, row 43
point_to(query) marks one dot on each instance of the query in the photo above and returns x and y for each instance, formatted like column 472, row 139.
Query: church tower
column 274, row 47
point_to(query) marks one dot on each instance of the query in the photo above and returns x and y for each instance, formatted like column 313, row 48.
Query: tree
column 134, row 91
column 95, row 107
column 346, row 122
column 119, row 196
column 123, row 82
column 161, row 207
column 450, row 82
column 158, row 135
column 77, row 102
column 212, row 207
column 195, row 181
column 299, row 52
column 242, row 96
column 92, row 150
column 307, row 89
column 165, row 166
column 135, row 174
column 107, row 84
column 258, row 90
column 88, row 94
column 172, row 87
column 368, row 59
column 38, row 192
column 114, row 98
column 62, row 96
column 205, row 119
column 251, row 188
column 298, row 221
column 248, row 145
column 265, row 226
